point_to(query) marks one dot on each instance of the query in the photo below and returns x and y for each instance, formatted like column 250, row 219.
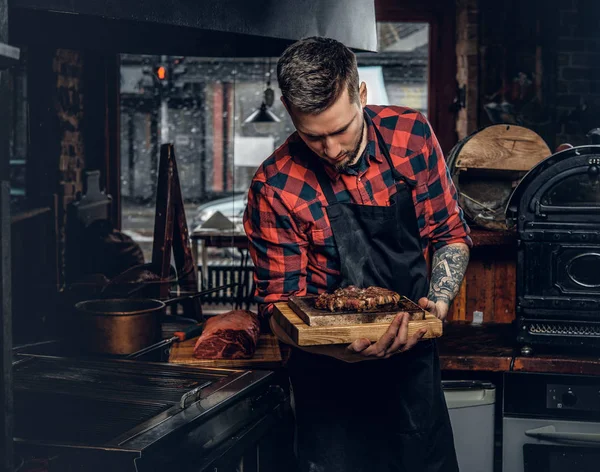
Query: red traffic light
column 161, row 73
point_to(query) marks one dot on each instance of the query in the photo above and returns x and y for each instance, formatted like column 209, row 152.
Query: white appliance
column 551, row 423
column 471, row 405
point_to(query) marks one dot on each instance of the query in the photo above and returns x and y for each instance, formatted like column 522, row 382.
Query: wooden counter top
column 491, row 347
column 463, row 347
column 558, row 364
column 486, row 347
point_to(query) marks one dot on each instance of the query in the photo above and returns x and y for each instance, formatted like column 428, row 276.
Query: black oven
column 551, row 423
column 556, row 209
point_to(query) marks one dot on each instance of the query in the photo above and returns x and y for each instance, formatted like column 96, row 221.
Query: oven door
column 547, row 458
column 545, row 445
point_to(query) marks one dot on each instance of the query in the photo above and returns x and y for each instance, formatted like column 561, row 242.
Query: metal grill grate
column 564, row 329
column 94, row 402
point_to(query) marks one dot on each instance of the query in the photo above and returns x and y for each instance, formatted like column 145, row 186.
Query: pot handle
column 199, row 294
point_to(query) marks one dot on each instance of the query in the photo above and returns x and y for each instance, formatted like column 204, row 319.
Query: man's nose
column 331, row 148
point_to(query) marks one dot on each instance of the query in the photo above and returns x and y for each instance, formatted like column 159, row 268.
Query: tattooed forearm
column 448, row 269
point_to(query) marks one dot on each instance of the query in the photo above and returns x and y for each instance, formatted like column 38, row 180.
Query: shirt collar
column 371, row 151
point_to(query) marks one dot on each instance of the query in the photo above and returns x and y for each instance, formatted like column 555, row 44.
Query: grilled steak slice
column 231, row 335
column 356, row 299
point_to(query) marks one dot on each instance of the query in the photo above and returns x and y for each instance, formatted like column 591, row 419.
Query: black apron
column 375, row 415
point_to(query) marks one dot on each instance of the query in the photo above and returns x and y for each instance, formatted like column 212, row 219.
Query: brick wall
column 67, row 67
column 578, row 64
column 553, row 44
column 467, row 67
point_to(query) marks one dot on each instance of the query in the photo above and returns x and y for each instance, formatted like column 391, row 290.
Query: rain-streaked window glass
column 398, row 73
column 202, row 106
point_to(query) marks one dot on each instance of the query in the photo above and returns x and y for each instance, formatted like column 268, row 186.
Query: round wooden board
column 503, row 147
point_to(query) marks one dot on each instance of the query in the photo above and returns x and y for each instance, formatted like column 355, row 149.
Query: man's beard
column 352, row 155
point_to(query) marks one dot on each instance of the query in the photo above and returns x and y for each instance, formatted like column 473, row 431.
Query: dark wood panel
column 489, row 285
column 484, row 237
column 504, row 291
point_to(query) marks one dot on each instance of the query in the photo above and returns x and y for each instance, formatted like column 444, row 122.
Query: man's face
column 336, row 135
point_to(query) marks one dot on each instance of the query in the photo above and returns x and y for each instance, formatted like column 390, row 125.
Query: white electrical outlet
column 477, row 317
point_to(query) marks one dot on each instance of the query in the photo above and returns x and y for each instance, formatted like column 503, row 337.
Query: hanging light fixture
column 263, row 114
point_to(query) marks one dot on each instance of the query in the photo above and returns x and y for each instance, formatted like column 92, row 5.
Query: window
column 397, row 74
column 200, row 105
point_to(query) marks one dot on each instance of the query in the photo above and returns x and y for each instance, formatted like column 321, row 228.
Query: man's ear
column 362, row 93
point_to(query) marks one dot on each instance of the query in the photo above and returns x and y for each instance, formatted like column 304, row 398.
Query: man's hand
column 393, row 341
column 439, row 308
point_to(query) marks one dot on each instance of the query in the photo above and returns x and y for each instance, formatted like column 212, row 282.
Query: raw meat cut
column 231, row 335
column 356, row 299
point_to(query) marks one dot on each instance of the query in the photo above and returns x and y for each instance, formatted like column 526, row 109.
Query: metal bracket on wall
column 460, row 100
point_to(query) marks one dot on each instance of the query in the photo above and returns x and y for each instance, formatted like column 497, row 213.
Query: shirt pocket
column 323, row 248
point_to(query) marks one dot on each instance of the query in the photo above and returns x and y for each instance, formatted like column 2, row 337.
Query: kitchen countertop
column 491, row 347
column 486, row 347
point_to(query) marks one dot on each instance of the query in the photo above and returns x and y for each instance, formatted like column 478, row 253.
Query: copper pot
column 119, row 326
column 124, row 325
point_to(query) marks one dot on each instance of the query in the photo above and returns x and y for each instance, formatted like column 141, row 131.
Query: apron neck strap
column 325, row 181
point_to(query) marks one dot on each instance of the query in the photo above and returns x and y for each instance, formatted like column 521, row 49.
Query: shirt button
column 359, row 179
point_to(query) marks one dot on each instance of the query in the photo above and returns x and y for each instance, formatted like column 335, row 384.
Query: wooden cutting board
column 304, row 335
column 267, row 355
column 304, row 307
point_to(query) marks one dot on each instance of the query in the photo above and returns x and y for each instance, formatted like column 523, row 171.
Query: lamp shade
column 262, row 115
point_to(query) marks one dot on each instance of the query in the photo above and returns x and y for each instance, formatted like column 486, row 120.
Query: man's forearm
column 448, row 269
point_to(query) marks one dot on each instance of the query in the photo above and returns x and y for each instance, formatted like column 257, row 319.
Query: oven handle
column 541, row 209
column 548, row 433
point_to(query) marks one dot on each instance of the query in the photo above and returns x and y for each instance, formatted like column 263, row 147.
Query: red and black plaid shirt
column 291, row 241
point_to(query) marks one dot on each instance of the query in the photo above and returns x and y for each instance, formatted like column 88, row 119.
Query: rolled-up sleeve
column 277, row 247
column 447, row 223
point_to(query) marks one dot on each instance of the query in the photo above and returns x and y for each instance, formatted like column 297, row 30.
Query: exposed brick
column 568, row 45
column 568, row 5
column 569, row 100
column 584, row 59
column 595, row 87
column 564, row 59
column 568, row 19
column 593, row 45
column 579, row 86
column 575, row 73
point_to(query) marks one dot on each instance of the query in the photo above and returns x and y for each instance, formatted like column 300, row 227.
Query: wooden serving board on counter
column 304, row 307
column 267, row 355
column 304, row 335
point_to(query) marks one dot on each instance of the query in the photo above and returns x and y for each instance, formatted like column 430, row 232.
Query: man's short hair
column 313, row 72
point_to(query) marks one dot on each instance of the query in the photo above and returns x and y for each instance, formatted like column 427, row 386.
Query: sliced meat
column 231, row 335
column 356, row 299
